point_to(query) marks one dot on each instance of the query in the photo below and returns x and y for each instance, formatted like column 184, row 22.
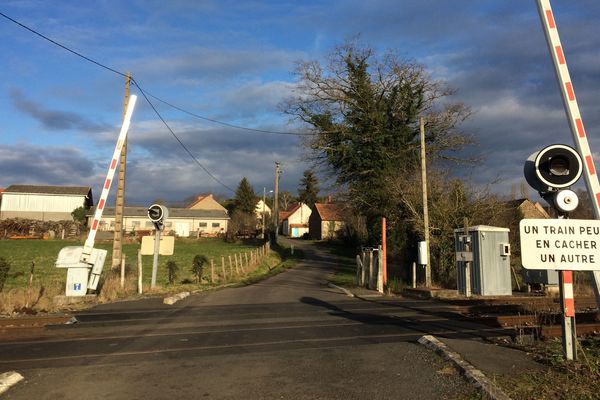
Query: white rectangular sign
column 166, row 246
column 564, row 244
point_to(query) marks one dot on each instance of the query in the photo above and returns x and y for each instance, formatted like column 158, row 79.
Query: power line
column 62, row 46
column 226, row 123
column 179, row 140
column 148, row 93
column 99, row 64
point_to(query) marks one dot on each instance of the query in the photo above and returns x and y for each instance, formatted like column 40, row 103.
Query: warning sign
column 567, row 244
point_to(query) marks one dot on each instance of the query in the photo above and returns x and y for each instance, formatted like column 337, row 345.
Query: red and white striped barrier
column 570, row 102
column 89, row 243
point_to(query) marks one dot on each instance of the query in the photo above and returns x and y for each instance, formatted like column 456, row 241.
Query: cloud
column 55, row 120
column 30, row 164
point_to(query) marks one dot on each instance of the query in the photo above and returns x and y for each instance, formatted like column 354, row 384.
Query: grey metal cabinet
column 490, row 269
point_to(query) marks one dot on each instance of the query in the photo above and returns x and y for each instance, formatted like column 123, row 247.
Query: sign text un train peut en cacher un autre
column 560, row 244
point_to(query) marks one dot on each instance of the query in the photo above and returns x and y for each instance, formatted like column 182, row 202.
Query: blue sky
column 233, row 61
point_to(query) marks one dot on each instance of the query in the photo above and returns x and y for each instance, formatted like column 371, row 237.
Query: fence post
column 363, row 278
column 414, row 275
column 230, row 265
column 370, row 286
column 212, row 271
column 223, row 267
column 358, row 270
column 246, row 256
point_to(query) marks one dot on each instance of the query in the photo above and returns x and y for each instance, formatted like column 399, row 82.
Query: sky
column 233, row 61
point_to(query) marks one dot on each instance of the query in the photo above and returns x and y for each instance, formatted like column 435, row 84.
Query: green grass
column 21, row 253
column 576, row 380
column 345, row 268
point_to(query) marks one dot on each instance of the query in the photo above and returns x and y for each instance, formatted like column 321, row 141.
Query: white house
column 262, row 207
column 183, row 221
column 294, row 221
column 44, row 203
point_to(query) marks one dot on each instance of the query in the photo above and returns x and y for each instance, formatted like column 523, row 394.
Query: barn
column 44, row 203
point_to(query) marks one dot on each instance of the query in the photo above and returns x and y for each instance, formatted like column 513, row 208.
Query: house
column 183, row 221
column 530, row 209
column 206, row 202
column 44, row 203
column 326, row 220
column 294, row 221
column 262, row 207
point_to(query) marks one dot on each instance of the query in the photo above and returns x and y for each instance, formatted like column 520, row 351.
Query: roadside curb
column 346, row 291
column 468, row 370
column 8, row 379
column 175, row 298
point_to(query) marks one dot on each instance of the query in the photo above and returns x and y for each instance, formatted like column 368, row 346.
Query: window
column 216, row 224
column 202, row 225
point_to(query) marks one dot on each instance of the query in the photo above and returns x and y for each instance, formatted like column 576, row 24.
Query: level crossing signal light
column 158, row 214
column 552, row 171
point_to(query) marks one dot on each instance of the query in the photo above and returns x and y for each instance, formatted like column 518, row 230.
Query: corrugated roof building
column 44, row 203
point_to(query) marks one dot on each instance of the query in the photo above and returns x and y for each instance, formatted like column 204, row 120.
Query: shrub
column 173, row 270
column 4, row 268
column 197, row 267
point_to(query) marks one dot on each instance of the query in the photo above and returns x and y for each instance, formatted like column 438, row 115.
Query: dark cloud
column 52, row 119
column 31, row 164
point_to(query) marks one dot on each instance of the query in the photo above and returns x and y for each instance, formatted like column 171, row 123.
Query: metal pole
column 155, row 262
column 425, row 207
column 567, row 304
column 120, row 198
column 263, row 211
column 573, row 115
column 276, row 201
column 467, row 247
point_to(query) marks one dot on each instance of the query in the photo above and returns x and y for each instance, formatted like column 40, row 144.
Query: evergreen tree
column 364, row 111
column 245, row 198
column 308, row 191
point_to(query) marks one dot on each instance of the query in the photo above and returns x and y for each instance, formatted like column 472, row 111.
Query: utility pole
column 276, row 201
column 425, row 208
column 120, row 200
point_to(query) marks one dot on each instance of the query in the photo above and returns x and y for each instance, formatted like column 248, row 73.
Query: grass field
column 21, row 253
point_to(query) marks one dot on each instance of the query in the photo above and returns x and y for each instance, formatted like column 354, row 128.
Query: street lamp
column 263, row 211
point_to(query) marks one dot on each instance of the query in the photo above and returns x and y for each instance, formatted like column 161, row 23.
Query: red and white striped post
column 89, row 243
column 591, row 178
column 567, row 304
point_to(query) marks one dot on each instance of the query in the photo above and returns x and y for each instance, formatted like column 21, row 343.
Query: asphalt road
column 288, row 337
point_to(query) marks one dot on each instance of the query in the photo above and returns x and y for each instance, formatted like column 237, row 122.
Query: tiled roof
column 173, row 213
column 330, row 211
column 283, row 215
column 58, row 190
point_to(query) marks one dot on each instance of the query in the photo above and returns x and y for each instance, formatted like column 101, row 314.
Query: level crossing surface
column 290, row 336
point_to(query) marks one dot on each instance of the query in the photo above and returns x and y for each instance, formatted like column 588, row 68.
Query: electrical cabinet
column 490, row 269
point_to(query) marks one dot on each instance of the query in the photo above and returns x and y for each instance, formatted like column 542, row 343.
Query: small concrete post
column 414, row 275
column 223, row 267
column 122, row 270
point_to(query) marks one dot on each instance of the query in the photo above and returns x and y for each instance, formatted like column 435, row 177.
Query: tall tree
column 308, row 191
column 364, row 111
column 285, row 200
column 245, row 198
